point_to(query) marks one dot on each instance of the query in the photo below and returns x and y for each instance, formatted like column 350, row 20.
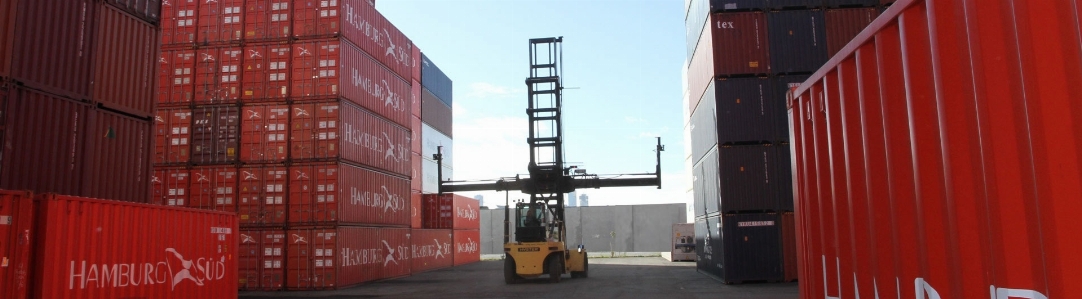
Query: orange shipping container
column 467, row 246
column 431, row 249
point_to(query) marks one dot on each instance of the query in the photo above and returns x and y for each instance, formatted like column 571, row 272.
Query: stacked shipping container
column 461, row 216
column 742, row 58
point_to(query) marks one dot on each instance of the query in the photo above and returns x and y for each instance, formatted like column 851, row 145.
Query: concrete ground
column 629, row 277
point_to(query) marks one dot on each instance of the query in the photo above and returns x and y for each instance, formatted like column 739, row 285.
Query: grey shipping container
column 851, row 3
column 703, row 246
column 215, row 135
column 734, row 5
column 748, row 182
column 797, row 41
column 711, row 185
column 436, row 113
column 746, row 111
column 697, row 191
column 433, row 79
column 746, row 247
column 698, row 14
column 781, row 88
column 703, row 125
column 789, row 4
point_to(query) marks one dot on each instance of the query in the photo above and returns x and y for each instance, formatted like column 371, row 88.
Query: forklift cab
column 531, row 222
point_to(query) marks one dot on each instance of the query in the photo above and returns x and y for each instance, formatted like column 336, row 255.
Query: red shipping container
column 415, row 208
column 215, row 134
column 467, row 213
column 178, row 22
column 172, row 135
column 339, row 130
column 467, row 246
column 266, row 20
column 416, row 65
column 217, row 75
column 118, row 150
column 740, row 43
column 844, row 24
column 261, row 259
column 176, row 77
column 265, row 72
column 124, row 62
column 333, row 258
column 37, row 57
column 262, row 195
column 214, row 188
column 416, row 179
column 954, row 135
column 451, row 211
column 155, row 260
column 701, row 67
column 788, row 244
column 7, row 35
column 15, row 248
column 416, row 146
column 43, row 142
column 332, row 69
column 170, row 186
column 415, row 100
column 339, row 193
column 431, row 249
column 359, row 23
column 220, row 21
column 264, row 133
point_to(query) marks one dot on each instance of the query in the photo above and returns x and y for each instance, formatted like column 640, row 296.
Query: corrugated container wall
column 433, row 79
column 704, row 125
column 736, row 5
column 789, row 247
column 44, row 138
column 125, row 61
column 781, row 86
column 265, row 72
column 118, row 150
column 740, row 44
column 15, row 248
column 432, row 141
column 261, row 259
column 467, row 246
column 746, row 112
column 341, row 194
column 694, row 23
column 170, row 185
column 436, row 113
column 361, row 24
column 268, row 20
column 215, row 134
column 146, row 10
column 44, row 25
column 430, row 175
column 214, row 188
column 794, row 4
column 969, row 127
column 701, row 69
column 711, row 185
column 217, row 75
column 746, row 248
column 7, row 35
column 178, row 22
column 339, row 130
column 797, row 41
column 176, row 77
column 109, row 241
column 341, row 257
column 748, row 181
column 851, row 3
column 220, row 22
column 431, row 249
column 172, row 136
column 842, row 25
column 264, row 133
column 263, row 195
column 332, row 69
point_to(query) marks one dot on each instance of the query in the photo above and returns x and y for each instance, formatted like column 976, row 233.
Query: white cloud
column 457, row 111
column 485, row 90
column 634, row 120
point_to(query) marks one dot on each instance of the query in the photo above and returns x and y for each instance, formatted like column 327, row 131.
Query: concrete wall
column 638, row 228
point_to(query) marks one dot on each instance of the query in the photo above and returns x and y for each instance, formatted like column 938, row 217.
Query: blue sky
column 625, row 56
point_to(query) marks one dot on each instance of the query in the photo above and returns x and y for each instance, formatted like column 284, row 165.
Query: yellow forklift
column 540, row 245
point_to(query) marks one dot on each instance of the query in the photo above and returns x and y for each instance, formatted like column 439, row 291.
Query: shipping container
column 748, row 181
column 361, row 24
column 701, row 67
column 797, row 41
column 178, row 22
column 467, row 246
column 15, row 247
column 794, row 4
column 330, row 69
column 334, row 258
column 171, row 136
column 433, row 79
column 851, row 3
column 737, row 5
column 703, row 246
column 436, row 114
column 157, row 260
column 711, row 182
column 416, row 67
column 330, row 131
column 430, row 175
column 703, row 128
column 220, row 22
column 957, row 138
column 146, row 10
column 789, row 247
column 176, row 77
column 7, row 35
column 844, row 24
column 261, row 259
column 266, row 72
column 416, row 179
column 268, row 20
column 170, row 185
column 432, row 142
column 683, row 242
column 44, row 136
column 263, row 195
column 416, row 142
column 450, row 211
column 37, row 56
column 782, row 84
column 781, row 176
column 217, row 75
column 746, row 112
column 415, row 209
column 697, row 190
column 214, row 188
column 125, row 62
column 264, row 133
column 415, row 99
column 215, row 134
column 740, row 44
column 431, row 249
column 344, row 194
column 694, row 23
column 746, row 248
column 118, row 152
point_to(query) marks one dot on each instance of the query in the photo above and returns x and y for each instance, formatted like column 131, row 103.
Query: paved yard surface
column 632, row 277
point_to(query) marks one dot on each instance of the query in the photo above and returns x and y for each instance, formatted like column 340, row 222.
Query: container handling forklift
column 540, row 245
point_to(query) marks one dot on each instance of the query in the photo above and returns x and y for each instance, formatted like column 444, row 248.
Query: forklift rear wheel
column 509, row 275
column 556, row 268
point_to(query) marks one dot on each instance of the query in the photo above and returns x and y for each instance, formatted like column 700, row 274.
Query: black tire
column 585, row 266
column 556, row 268
column 509, row 275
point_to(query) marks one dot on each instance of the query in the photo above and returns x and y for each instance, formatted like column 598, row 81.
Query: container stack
column 436, row 120
column 76, row 118
column 459, row 215
column 296, row 115
column 743, row 56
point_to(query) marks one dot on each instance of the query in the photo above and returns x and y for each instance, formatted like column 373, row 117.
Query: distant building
column 480, row 199
column 572, row 200
column 584, row 200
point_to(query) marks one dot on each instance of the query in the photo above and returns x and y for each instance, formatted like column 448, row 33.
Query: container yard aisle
column 640, row 277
